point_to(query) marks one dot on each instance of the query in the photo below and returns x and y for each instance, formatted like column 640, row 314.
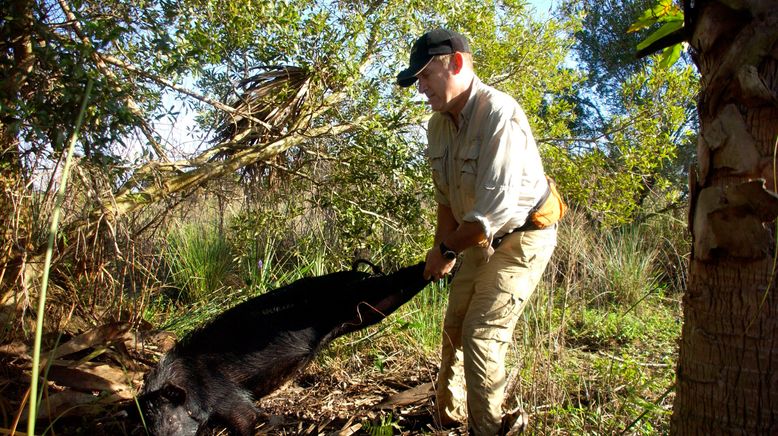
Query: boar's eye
column 175, row 394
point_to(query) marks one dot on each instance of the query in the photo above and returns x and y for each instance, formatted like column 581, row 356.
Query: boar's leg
column 377, row 297
column 236, row 411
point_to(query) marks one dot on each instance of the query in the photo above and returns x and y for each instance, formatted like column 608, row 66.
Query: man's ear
column 457, row 62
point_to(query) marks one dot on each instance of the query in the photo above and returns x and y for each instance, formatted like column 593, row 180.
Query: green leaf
column 663, row 12
column 663, row 31
column 670, row 55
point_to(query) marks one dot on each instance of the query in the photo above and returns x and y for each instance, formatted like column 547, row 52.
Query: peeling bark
column 735, row 148
column 754, row 88
column 729, row 221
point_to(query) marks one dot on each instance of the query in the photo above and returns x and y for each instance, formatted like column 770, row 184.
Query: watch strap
column 447, row 252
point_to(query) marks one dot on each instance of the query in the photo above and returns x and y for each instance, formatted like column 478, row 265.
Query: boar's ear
column 175, row 394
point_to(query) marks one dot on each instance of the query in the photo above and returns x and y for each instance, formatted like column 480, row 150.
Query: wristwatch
column 447, row 252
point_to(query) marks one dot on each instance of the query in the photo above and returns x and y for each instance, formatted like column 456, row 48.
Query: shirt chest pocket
column 467, row 162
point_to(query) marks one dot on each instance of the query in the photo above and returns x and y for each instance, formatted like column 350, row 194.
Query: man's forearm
column 455, row 236
column 468, row 234
column 446, row 224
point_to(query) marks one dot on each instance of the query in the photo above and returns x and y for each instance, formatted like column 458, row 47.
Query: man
column 487, row 176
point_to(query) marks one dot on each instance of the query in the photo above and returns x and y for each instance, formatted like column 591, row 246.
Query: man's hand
column 437, row 265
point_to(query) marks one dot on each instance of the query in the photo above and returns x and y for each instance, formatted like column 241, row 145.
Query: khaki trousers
column 485, row 302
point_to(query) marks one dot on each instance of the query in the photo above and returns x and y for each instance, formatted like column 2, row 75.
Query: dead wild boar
column 212, row 377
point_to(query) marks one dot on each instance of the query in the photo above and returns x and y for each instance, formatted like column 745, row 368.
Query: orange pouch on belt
column 551, row 210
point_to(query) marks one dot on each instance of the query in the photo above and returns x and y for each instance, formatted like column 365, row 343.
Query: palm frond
column 267, row 105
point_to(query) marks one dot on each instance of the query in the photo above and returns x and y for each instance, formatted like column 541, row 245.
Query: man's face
column 436, row 81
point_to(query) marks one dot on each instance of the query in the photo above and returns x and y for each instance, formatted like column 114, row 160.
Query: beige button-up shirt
column 489, row 170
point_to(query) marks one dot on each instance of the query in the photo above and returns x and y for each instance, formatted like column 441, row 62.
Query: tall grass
column 199, row 259
column 629, row 270
column 424, row 315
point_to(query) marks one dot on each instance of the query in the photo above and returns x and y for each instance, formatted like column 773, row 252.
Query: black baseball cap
column 433, row 43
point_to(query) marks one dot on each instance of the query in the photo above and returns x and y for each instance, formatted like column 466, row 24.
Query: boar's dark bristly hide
column 213, row 376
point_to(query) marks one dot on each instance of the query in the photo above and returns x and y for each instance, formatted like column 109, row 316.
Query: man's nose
column 422, row 85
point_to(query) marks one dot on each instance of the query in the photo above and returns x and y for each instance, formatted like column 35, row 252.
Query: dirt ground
column 344, row 402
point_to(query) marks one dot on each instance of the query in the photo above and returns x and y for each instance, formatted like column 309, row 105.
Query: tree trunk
column 727, row 375
column 14, row 76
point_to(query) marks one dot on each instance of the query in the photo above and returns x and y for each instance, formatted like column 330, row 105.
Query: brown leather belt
column 526, row 227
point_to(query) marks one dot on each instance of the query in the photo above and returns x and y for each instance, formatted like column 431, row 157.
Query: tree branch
column 164, row 82
column 130, row 201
